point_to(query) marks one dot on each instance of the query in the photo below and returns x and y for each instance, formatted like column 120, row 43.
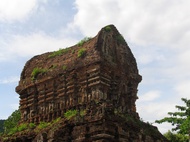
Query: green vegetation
column 12, row 121
column 64, row 67
column 54, row 66
column 82, row 52
column 86, row 39
column 70, row 113
column 73, row 51
column 43, row 125
column 59, row 52
column 107, row 28
column 176, row 137
column 120, row 39
column 12, row 126
column 37, row 71
column 1, row 125
column 32, row 125
column 56, row 120
column 82, row 112
column 22, row 127
column 179, row 119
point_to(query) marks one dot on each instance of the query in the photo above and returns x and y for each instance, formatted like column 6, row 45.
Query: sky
column 157, row 32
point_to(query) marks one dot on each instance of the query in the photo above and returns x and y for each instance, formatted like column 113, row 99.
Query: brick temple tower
column 98, row 76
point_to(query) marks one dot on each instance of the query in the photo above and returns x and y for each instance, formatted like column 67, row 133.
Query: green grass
column 13, row 131
column 82, row 52
column 70, row 113
column 82, row 112
column 43, row 125
column 22, row 127
column 86, row 39
column 32, row 125
column 59, row 52
column 107, row 28
column 73, row 51
column 56, row 120
column 37, row 71
column 19, row 128
column 64, row 67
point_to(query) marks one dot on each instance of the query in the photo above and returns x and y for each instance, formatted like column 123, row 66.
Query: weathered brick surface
column 107, row 72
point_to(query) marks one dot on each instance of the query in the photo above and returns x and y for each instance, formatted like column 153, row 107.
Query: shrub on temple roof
column 37, row 71
column 70, row 113
column 81, row 52
column 59, row 52
column 107, row 28
column 86, row 39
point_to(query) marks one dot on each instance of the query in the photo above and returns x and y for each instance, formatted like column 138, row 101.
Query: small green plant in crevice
column 107, row 28
column 120, row 39
column 22, row 127
column 32, row 125
column 82, row 112
column 43, row 125
column 37, row 71
column 64, row 67
column 56, row 120
column 53, row 67
column 70, row 113
column 73, row 51
column 82, row 52
column 59, row 52
column 86, row 39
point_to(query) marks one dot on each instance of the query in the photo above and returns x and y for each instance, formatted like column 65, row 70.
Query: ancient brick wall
column 108, row 72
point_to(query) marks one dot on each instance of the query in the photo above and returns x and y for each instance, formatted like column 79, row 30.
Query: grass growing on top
column 37, row 71
column 32, row 125
column 82, row 52
column 43, row 125
column 107, row 28
column 21, row 127
column 86, row 39
column 56, row 120
column 64, row 67
column 59, row 52
column 70, row 113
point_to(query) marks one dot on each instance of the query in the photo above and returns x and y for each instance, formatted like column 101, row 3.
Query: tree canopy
column 180, row 119
column 12, row 121
column 1, row 125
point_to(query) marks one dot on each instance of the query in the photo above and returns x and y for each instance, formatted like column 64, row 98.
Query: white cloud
column 150, row 112
column 150, row 96
column 33, row 44
column 17, row 9
column 183, row 89
column 9, row 80
column 144, row 23
column 14, row 106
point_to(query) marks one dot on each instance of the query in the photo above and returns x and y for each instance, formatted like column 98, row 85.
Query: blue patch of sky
column 48, row 18
column 9, row 97
column 11, row 68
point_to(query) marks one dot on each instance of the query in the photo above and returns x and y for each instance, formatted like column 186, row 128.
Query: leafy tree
column 180, row 119
column 12, row 121
column 1, row 125
column 173, row 137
